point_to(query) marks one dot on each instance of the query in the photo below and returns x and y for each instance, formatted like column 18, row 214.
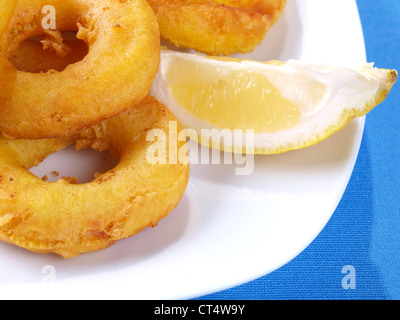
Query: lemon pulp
column 251, row 100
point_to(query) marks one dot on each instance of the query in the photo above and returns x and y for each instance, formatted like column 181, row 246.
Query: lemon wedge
column 284, row 105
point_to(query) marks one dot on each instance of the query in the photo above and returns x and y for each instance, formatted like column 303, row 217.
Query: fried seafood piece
column 217, row 27
column 123, row 43
column 69, row 219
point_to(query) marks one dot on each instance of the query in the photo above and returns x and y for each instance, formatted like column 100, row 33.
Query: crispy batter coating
column 124, row 47
column 216, row 27
column 71, row 219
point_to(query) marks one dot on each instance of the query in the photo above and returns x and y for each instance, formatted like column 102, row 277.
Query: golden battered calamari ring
column 70, row 219
column 216, row 27
column 124, row 48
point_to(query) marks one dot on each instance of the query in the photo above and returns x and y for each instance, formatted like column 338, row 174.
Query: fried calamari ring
column 124, row 48
column 70, row 219
column 216, row 27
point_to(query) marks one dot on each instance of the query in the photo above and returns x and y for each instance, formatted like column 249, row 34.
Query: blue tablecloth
column 364, row 231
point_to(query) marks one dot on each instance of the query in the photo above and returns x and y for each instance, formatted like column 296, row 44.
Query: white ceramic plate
column 228, row 229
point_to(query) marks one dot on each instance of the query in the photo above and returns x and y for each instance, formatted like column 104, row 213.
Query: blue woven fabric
column 364, row 231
